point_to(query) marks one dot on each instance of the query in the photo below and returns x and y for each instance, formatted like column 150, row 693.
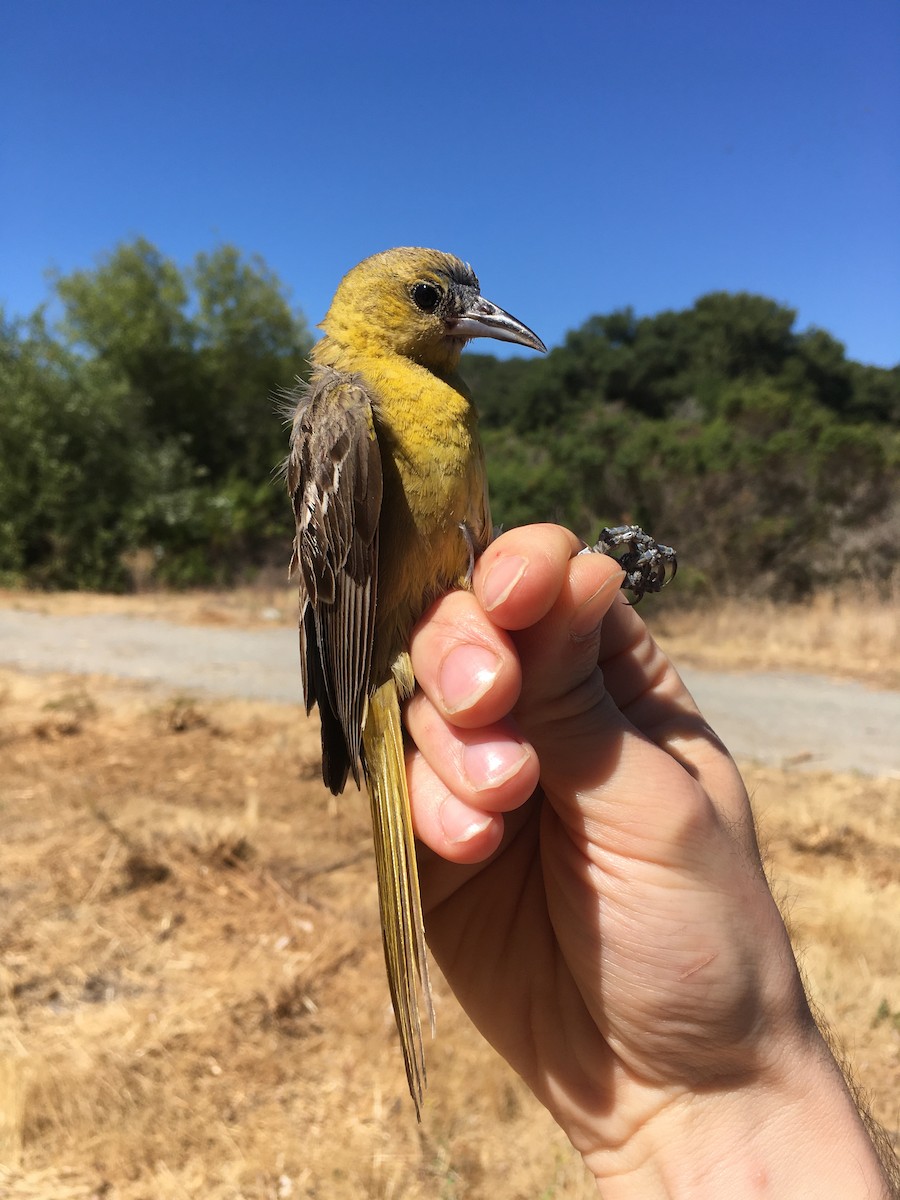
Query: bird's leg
column 470, row 547
column 648, row 565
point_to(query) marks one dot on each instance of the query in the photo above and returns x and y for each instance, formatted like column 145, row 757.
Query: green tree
column 203, row 348
column 875, row 393
column 248, row 341
column 130, row 313
column 68, row 428
column 148, row 423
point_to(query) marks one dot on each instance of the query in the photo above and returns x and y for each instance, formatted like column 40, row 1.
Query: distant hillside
column 770, row 460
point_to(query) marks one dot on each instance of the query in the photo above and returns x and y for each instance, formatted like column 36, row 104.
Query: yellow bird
column 387, row 478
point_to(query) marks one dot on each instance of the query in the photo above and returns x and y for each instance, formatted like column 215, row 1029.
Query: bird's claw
column 648, row 565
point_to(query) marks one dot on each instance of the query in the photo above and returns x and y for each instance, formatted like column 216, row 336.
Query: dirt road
column 768, row 717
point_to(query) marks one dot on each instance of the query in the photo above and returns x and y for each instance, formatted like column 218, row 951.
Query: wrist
column 795, row 1133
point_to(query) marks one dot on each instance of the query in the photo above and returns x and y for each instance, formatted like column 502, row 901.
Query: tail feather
column 402, row 922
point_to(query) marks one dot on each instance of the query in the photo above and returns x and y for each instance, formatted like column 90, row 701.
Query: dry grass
column 270, row 602
column 193, row 989
column 853, row 634
column 193, row 997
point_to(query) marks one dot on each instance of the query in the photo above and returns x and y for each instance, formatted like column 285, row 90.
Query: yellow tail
column 402, row 924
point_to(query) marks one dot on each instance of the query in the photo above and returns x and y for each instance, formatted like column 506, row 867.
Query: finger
column 462, row 658
column 564, row 708
column 492, row 768
column 561, row 649
column 519, row 575
column 443, row 822
column 465, row 664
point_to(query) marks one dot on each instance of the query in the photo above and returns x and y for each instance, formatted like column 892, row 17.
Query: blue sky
column 582, row 156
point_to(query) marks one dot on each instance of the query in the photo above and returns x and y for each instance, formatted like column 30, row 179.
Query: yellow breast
column 435, row 489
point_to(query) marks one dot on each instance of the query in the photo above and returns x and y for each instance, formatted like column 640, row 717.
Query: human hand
column 594, row 892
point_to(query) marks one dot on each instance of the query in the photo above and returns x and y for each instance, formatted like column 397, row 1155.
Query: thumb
column 620, row 757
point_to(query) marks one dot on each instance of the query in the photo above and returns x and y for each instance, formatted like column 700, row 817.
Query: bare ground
column 192, row 994
column 769, row 716
column 192, row 986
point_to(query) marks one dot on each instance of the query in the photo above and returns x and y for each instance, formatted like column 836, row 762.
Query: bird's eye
column 425, row 296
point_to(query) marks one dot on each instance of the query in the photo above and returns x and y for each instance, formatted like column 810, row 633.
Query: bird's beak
column 481, row 318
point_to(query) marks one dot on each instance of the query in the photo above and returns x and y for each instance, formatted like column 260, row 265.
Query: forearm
column 796, row 1136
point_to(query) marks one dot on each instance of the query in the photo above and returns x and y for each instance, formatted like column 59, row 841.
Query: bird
column 387, row 480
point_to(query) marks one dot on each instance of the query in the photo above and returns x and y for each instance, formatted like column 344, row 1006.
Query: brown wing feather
column 334, row 479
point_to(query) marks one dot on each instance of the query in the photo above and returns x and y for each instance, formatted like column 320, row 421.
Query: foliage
column 144, row 425
column 203, row 348
column 147, row 421
column 67, row 426
column 766, row 457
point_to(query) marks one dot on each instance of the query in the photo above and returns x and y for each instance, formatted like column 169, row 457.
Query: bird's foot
column 648, row 565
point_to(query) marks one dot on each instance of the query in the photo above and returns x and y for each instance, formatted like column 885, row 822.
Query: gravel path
column 770, row 717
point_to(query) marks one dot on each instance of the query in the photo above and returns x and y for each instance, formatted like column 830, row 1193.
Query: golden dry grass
column 261, row 604
column 852, row 633
column 193, row 989
column 193, row 995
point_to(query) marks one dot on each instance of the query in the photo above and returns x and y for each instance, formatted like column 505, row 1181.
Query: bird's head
column 423, row 304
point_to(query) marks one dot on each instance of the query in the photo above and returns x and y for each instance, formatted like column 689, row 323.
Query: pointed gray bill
column 484, row 319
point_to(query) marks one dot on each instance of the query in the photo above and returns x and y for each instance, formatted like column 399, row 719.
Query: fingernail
column 460, row 823
column 466, row 674
column 488, row 764
column 590, row 613
column 501, row 579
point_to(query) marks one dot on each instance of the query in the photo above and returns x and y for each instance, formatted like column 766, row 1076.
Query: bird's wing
column 482, row 530
column 335, row 482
